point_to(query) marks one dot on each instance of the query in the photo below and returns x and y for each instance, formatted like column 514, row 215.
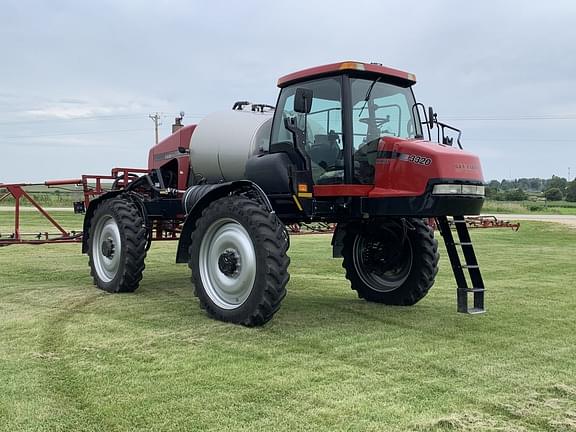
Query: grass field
column 73, row 358
column 530, row 207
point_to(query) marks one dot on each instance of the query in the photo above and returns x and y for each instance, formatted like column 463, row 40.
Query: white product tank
column 223, row 142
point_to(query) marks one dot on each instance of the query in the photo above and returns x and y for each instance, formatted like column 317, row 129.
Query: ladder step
column 458, row 264
column 472, row 290
column 476, row 311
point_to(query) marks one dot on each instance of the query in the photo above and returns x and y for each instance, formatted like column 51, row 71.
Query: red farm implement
column 92, row 186
column 347, row 150
column 490, row 222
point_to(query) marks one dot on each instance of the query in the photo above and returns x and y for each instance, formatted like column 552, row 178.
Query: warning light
column 352, row 65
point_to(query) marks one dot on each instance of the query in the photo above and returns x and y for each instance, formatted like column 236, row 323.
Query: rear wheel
column 393, row 262
column 239, row 262
column 117, row 246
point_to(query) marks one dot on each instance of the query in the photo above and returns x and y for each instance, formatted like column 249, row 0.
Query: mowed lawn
column 73, row 358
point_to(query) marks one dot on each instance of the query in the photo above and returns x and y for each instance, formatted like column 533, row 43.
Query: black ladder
column 465, row 242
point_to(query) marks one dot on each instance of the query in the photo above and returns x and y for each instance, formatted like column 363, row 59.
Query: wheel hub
column 229, row 262
column 108, row 248
column 383, row 261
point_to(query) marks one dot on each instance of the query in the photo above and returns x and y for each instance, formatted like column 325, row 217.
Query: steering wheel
column 378, row 120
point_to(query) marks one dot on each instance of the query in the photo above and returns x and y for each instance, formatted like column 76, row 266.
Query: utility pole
column 568, row 173
column 156, row 119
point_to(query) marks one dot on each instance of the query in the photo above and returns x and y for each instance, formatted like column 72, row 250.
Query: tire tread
column 272, row 241
column 133, row 232
column 409, row 293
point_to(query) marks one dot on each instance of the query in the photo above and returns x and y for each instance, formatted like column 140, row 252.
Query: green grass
column 530, row 207
column 73, row 358
column 31, row 221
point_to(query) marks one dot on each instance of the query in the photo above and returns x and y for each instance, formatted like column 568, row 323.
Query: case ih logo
column 406, row 157
column 466, row 167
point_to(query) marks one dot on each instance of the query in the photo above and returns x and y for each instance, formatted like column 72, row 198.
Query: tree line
column 553, row 189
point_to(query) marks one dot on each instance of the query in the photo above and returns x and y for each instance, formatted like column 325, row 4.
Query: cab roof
column 370, row 69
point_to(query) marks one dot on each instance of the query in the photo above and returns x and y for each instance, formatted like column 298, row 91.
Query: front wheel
column 392, row 262
column 238, row 261
column 117, row 246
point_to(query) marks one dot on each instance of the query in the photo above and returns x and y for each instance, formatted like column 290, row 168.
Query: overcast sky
column 79, row 78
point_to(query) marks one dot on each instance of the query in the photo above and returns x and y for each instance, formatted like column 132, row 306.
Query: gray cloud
column 70, row 67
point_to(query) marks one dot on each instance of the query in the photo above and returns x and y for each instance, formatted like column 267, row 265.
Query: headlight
column 458, row 189
column 472, row 190
column 447, row 189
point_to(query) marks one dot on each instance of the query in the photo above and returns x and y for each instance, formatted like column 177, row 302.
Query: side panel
column 342, row 190
column 270, row 171
column 167, row 151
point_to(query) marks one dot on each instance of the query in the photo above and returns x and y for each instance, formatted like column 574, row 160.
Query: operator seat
column 325, row 151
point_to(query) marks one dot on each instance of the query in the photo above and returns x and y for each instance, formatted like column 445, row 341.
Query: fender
column 342, row 228
column 338, row 240
column 90, row 212
column 198, row 197
column 96, row 202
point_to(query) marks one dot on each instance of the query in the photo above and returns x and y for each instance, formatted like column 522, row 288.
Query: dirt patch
column 562, row 219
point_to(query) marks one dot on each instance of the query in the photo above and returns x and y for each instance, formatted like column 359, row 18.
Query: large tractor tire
column 238, row 261
column 392, row 262
column 117, row 246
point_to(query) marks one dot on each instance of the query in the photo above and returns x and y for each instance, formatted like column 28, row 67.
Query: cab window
column 323, row 127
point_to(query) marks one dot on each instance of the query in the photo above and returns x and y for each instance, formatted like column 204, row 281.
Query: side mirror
column 431, row 117
column 303, row 100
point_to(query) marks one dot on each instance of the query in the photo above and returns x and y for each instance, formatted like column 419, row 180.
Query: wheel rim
column 227, row 263
column 384, row 261
column 106, row 248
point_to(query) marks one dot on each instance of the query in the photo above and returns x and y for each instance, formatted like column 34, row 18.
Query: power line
column 94, row 117
column 72, row 133
column 541, row 140
column 75, row 119
column 511, row 118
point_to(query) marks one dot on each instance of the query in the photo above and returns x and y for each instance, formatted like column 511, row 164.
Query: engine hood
column 405, row 167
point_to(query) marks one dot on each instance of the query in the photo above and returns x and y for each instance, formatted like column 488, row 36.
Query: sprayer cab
column 354, row 130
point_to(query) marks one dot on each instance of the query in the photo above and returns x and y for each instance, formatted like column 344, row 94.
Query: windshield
column 379, row 110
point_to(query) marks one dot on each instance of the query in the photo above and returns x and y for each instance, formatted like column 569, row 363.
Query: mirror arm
column 299, row 140
column 415, row 110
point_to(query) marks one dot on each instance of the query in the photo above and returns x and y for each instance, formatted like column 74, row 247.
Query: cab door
column 320, row 129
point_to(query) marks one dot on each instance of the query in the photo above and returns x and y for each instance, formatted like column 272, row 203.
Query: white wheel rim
column 227, row 263
column 106, row 248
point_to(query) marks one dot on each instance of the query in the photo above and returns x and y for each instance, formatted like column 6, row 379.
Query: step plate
column 476, row 311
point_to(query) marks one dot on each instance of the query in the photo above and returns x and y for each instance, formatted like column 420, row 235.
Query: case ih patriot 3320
column 345, row 145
